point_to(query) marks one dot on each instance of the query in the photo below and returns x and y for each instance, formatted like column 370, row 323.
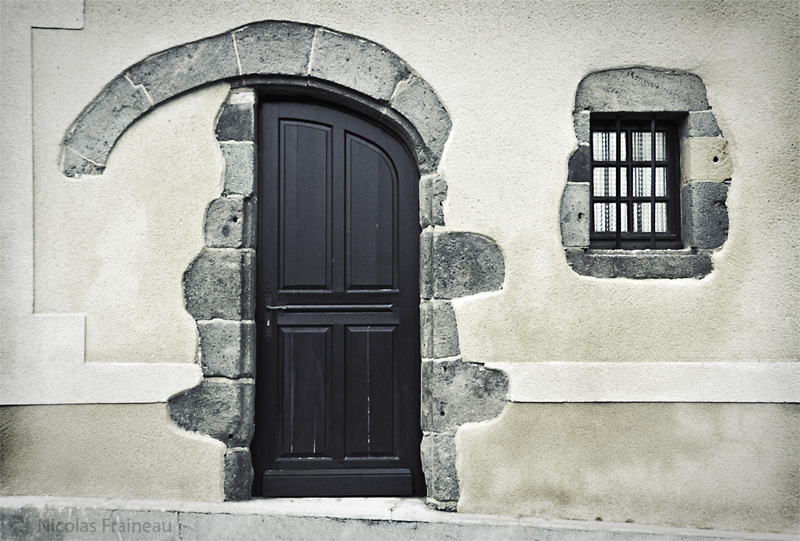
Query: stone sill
column 640, row 264
column 25, row 517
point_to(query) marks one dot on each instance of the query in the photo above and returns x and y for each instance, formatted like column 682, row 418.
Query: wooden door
column 337, row 399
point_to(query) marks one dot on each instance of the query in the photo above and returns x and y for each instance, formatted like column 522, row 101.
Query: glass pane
column 642, row 181
column 604, row 145
column 604, row 181
column 641, row 217
column 641, row 146
column 661, row 217
column 605, row 217
column 623, row 217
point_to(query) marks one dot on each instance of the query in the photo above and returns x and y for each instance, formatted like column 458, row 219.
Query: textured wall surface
column 115, row 247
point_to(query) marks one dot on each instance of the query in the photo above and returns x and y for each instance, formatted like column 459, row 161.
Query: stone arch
column 280, row 57
column 283, row 53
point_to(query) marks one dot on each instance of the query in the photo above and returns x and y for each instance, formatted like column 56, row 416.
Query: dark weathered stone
column 219, row 284
column 456, row 392
column 700, row 124
column 229, row 223
column 188, row 66
column 227, row 348
column 101, row 124
column 704, row 214
column 236, row 122
column 641, row 89
column 639, row 264
column 575, row 215
column 221, row 408
column 438, row 333
column 438, row 455
column 417, row 101
column 465, row 264
column 426, row 265
column 238, row 475
column 581, row 121
column 74, row 165
column 356, row 63
column 240, row 169
column 274, row 47
column 432, row 193
column 579, row 168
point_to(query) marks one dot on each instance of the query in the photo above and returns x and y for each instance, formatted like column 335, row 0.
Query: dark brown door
column 337, row 400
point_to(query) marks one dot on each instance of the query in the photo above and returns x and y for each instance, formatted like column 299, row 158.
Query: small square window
column 634, row 182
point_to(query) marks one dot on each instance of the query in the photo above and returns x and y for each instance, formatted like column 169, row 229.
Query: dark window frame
column 669, row 123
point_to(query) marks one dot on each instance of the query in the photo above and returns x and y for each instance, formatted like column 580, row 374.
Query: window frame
column 621, row 122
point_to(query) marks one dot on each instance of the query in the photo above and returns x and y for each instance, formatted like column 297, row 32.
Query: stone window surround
column 280, row 58
column 706, row 170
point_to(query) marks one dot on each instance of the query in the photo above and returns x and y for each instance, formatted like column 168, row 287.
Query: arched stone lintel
column 286, row 54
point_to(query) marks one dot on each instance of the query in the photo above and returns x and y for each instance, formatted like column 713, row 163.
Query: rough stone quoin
column 227, row 348
column 438, row 334
column 704, row 214
column 238, row 474
column 465, row 264
column 438, row 456
column 220, row 284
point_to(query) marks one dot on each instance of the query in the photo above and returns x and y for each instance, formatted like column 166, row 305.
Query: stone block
column 230, row 223
column 456, row 392
column 575, row 215
column 705, row 159
column 439, row 332
column 275, row 47
column 228, row 348
column 432, row 193
column 236, row 122
column 240, row 173
column 579, row 167
column 700, row 124
column 238, row 483
column 581, row 122
column 75, row 166
column 466, row 264
column 220, row 408
column 438, row 455
column 101, row 124
column 426, row 265
column 185, row 67
column 639, row 264
column 641, row 90
column 356, row 63
column 704, row 214
column 219, row 283
column 416, row 100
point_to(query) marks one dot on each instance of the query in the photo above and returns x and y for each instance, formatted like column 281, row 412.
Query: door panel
column 337, row 392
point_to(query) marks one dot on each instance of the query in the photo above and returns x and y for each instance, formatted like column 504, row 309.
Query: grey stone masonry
column 456, row 392
column 432, row 193
column 438, row 333
column 356, row 63
column 426, row 264
column 227, row 348
column 639, row 264
column 579, row 167
column 640, row 89
column 218, row 407
column 230, row 223
column 700, row 124
column 704, row 214
column 438, row 455
column 274, row 47
column 238, row 474
column 185, row 67
column 312, row 59
column 575, row 215
column 240, row 169
column 465, row 264
column 219, row 283
column 582, row 126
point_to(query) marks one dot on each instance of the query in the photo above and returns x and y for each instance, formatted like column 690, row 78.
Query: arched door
column 337, row 400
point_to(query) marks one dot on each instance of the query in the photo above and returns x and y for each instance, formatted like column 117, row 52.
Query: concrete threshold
column 384, row 519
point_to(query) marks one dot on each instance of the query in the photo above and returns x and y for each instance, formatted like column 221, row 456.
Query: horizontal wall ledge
column 745, row 382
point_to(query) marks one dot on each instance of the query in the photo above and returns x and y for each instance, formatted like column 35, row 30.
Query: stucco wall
column 115, row 247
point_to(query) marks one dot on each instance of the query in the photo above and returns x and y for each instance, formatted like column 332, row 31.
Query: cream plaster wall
column 719, row 466
column 106, row 451
column 115, row 247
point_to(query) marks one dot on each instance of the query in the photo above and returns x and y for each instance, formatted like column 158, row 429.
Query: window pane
column 604, row 181
column 641, row 146
column 605, row 217
column 642, row 181
column 641, row 217
column 661, row 217
column 604, row 145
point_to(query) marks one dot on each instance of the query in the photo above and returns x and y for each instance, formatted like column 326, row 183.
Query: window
column 634, row 182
